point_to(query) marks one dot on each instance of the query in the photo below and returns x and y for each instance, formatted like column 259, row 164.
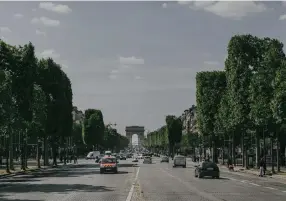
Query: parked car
column 180, row 161
column 164, row 159
column 206, row 168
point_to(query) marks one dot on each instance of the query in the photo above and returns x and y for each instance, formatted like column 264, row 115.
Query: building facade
column 189, row 120
column 78, row 115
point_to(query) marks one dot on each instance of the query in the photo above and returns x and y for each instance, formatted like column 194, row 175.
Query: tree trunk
column 257, row 151
column 243, row 151
column 272, row 155
column 278, row 155
column 11, row 148
column 23, row 167
column 46, row 158
column 7, row 153
column 38, row 153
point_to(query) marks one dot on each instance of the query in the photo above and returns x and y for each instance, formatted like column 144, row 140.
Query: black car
column 207, row 169
column 122, row 157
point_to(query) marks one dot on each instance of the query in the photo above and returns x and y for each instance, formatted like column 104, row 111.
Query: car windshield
column 209, row 164
column 108, row 160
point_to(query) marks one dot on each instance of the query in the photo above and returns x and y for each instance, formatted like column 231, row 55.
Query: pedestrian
column 261, row 169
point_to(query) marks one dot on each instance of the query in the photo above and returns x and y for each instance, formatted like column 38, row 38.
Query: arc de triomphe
column 139, row 130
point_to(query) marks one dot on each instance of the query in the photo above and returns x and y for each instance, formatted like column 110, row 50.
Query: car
column 164, row 159
column 135, row 160
column 98, row 158
column 108, row 164
column 147, row 160
column 122, row 157
column 92, row 155
column 207, row 168
column 180, row 161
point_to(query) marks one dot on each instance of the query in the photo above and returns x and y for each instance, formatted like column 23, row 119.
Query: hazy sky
column 137, row 61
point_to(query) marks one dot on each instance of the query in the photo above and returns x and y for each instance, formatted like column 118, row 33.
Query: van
column 180, row 161
column 92, row 155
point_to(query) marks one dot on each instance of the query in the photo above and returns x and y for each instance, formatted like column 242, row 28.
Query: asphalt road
column 148, row 182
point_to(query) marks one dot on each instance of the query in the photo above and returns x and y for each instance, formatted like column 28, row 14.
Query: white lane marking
column 129, row 197
column 270, row 188
column 254, row 184
column 243, row 181
column 284, row 191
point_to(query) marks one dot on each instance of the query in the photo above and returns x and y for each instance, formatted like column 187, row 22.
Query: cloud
column 233, row 10
column 50, row 53
column 112, row 76
column 213, row 63
column 5, row 30
column 18, row 15
column 137, row 77
column 40, row 33
column 282, row 17
column 131, row 61
column 184, row 2
column 45, row 21
column 164, row 5
column 57, row 8
column 34, row 9
column 114, row 71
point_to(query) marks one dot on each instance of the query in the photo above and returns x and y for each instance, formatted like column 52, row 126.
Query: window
column 108, row 160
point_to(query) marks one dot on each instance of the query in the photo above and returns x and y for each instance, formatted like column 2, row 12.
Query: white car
column 180, row 161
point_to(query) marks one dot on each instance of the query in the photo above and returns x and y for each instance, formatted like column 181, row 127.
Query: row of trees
column 245, row 101
column 35, row 103
column 168, row 137
column 243, row 105
column 36, row 111
column 97, row 135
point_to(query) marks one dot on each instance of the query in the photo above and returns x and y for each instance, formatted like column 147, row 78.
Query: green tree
column 210, row 88
column 174, row 127
column 271, row 56
column 94, row 128
column 278, row 105
column 243, row 54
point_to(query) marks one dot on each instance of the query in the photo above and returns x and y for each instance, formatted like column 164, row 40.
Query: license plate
column 210, row 169
column 108, row 169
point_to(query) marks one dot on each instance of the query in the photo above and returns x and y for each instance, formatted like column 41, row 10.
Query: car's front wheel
column 101, row 171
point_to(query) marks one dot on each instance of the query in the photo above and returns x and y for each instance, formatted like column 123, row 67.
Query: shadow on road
column 2, row 198
column 119, row 172
column 221, row 178
column 16, row 179
column 55, row 188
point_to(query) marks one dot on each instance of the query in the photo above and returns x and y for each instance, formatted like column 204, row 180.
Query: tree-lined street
column 157, row 181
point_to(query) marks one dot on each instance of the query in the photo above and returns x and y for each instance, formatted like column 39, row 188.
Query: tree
column 271, row 56
column 174, row 127
column 243, row 58
column 210, row 88
column 94, row 127
column 278, row 106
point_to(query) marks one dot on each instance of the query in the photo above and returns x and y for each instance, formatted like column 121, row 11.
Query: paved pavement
column 147, row 182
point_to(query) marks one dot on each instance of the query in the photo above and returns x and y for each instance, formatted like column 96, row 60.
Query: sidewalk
column 31, row 168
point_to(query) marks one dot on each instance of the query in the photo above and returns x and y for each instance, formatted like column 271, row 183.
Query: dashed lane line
column 254, row 184
column 129, row 197
column 271, row 188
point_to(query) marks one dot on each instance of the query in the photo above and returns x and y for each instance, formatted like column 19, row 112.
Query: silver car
column 147, row 160
column 180, row 161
